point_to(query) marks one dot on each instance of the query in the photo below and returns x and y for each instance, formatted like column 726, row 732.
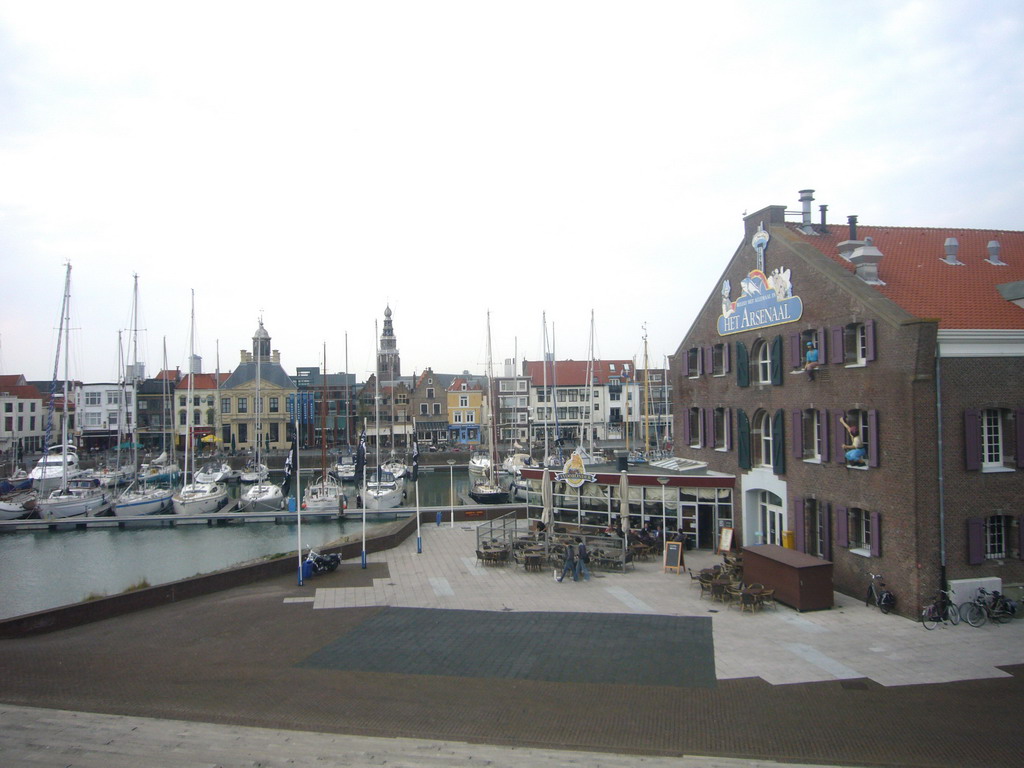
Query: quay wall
column 68, row 616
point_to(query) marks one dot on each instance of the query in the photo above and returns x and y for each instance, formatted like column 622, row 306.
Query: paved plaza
column 432, row 659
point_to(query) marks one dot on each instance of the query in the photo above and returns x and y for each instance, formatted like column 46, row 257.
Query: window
column 275, row 404
column 721, row 429
column 859, row 530
column 113, row 397
column 91, row 398
column 470, row 417
column 463, row 401
column 182, row 401
column 814, row 514
column 997, row 537
column 195, row 418
column 719, row 360
column 274, row 432
column 90, row 419
column 694, row 427
column 761, row 362
column 225, row 405
column 856, row 442
column 181, row 418
column 693, row 362
column 761, row 439
column 430, row 393
column 810, row 429
column 423, row 409
column 457, row 417
column 992, row 439
column 243, row 405
column 437, row 409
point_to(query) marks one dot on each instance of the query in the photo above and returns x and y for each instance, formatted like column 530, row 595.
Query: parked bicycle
column 943, row 609
column 879, row 595
column 986, row 605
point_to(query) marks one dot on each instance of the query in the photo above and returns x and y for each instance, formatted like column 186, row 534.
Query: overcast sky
column 314, row 162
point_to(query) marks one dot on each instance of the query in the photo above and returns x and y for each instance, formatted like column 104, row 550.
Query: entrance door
column 771, row 517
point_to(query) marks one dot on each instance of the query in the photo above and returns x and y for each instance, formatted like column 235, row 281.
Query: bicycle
column 942, row 610
column 986, row 605
column 879, row 595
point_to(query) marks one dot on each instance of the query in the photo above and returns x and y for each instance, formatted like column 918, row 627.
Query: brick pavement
column 846, row 686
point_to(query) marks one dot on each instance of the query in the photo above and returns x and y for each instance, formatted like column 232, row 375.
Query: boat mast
column 547, row 394
column 66, row 322
column 189, row 389
column 323, row 425
column 647, row 398
column 47, row 439
column 588, row 422
column 135, row 375
column 490, row 395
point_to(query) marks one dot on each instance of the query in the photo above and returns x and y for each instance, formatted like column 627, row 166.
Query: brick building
column 919, row 338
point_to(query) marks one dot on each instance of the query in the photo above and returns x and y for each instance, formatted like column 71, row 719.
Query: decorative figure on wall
column 855, row 448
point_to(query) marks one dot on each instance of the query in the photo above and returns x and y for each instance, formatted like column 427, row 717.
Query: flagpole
column 298, row 494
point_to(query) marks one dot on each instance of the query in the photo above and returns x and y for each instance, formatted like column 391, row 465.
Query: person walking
column 569, row 564
column 582, row 557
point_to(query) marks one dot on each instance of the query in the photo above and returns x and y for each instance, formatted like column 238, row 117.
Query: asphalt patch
column 623, row 649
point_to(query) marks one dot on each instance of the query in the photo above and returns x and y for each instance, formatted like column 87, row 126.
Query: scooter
column 323, row 563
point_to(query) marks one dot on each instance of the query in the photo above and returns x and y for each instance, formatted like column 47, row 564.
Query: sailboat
column 217, row 470
column 324, row 494
column 382, row 490
column 139, row 498
column 195, row 498
column 162, row 469
column 487, row 490
column 262, row 495
column 80, row 495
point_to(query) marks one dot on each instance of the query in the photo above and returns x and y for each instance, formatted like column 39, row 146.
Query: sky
column 575, row 168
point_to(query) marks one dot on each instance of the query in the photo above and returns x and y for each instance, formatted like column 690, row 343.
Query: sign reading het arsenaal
column 764, row 300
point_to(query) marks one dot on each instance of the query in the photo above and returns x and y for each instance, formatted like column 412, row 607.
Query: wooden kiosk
column 800, row 581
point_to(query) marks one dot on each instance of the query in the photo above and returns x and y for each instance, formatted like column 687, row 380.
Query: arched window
column 761, row 439
column 762, row 360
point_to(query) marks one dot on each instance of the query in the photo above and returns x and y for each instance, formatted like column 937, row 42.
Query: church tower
column 389, row 364
column 261, row 344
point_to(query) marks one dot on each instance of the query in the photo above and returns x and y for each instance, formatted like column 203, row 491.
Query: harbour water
column 44, row 569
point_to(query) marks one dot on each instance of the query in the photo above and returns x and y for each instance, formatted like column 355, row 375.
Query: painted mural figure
column 855, row 451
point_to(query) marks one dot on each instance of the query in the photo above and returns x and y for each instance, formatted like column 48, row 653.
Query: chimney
column 952, row 247
column 848, row 247
column 807, row 197
column 853, row 226
column 993, row 254
column 865, row 260
column 824, row 210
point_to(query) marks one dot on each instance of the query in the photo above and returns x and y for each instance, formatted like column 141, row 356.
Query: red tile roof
column 917, row 279
column 204, row 380
column 573, row 373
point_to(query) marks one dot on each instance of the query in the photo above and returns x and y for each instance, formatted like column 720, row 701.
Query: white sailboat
column 488, row 490
column 80, row 495
column 262, row 495
column 195, row 498
column 139, row 498
column 324, row 494
column 381, row 490
column 58, row 462
column 162, row 469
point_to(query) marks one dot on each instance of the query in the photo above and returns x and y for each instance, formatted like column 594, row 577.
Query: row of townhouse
column 863, row 384
column 224, row 410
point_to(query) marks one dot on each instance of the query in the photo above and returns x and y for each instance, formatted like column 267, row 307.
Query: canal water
column 44, row 569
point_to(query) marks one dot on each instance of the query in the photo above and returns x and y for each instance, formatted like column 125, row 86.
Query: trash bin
column 789, row 539
column 307, row 570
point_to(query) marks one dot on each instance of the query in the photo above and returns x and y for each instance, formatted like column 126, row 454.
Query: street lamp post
column 451, row 489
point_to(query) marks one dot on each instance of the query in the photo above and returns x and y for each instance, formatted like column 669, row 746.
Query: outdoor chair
column 748, row 602
column 768, row 598
column 705, row 587
column 734, row 596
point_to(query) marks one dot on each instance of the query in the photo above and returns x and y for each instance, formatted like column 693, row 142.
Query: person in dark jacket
column 569, row 565
column 581, row 561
